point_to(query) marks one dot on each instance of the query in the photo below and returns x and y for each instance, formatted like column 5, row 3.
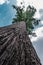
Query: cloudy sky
column 7, row 13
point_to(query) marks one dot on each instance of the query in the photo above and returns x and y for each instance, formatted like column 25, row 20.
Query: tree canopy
column 27, row 16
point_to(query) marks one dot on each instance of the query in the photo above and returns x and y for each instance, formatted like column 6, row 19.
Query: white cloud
column 39, row 33
column 4, row 1
column 38, row 4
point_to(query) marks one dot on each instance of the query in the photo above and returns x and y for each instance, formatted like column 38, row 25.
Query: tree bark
column 16, row 47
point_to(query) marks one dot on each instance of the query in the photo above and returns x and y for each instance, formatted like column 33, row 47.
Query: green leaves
column 27, row 16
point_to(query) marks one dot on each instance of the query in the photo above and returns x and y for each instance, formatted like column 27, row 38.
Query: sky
column 38, row 4
column 38, row 42
column 7, row 13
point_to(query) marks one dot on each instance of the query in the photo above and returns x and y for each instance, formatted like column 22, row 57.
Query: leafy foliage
column 26, row 15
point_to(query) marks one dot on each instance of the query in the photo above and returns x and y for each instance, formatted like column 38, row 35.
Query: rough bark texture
column 16, row 47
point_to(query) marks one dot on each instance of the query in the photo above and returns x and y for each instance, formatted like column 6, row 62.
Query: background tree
column 27, row 16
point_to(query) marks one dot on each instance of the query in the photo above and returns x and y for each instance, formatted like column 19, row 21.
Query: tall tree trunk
column 16, row 47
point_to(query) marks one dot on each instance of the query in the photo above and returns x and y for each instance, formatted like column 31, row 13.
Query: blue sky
column 7, row 13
